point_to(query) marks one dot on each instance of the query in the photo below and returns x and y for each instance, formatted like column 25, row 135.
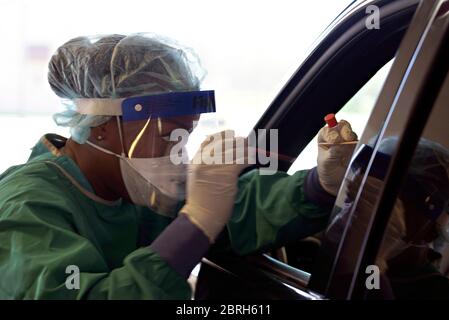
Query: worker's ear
column 100, row 133
column 107, row 136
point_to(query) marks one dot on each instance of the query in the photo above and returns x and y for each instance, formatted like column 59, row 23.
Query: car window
column 415, row 249
column 354, row 234
column 356, row 111
column 249, row 50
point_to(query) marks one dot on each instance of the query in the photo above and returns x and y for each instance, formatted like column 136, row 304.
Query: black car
column 412, row 40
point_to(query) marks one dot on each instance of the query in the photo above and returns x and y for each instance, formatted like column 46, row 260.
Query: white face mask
column 158, row 190
column 169, row 178
column 153, row 182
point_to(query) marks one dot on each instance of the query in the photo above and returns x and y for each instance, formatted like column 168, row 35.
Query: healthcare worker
column 111, row 212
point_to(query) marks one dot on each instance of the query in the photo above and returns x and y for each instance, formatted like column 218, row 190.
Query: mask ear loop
column 108, row 151
column 119, row 126
column 102, row 149
column 131, row 149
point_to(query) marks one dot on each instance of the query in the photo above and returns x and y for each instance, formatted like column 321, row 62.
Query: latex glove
column 335, row 148
column 211, row 188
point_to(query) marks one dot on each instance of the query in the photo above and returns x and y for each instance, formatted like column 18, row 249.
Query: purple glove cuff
column 181, row 245
column 315, row 193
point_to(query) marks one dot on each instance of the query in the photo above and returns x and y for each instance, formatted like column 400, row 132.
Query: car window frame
column 409, row 113
column 434, row 84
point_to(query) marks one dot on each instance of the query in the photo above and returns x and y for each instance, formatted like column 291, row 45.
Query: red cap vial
column 330, row 120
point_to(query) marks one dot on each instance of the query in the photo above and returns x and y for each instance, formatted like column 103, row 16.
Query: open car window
column 356, row 111
column 303, row 98
column 367, row 197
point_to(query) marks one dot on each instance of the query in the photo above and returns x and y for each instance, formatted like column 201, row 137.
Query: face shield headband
column 171, row 104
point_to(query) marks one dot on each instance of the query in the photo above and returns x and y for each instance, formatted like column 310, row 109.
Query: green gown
column 51, row 219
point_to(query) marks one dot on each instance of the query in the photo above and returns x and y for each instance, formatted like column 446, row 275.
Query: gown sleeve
column 272, row 210
column 43, row 256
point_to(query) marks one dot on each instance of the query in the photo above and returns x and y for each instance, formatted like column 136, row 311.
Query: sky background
column 249, row 49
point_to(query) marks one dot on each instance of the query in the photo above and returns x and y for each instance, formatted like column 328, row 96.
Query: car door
column 364, row 211
column 347, row 57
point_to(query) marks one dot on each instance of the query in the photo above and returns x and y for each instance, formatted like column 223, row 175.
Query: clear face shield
column 154, row 131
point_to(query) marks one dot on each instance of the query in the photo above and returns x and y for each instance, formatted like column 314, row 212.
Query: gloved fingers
column 339, row 152
column 236, row 151
column 214, row 152
column 346, row 131
column 212, row 181
column 209, row 140
column 219, row 136
column 329, row 135
column 233, row 159
column 223, row 148
column 341, row 133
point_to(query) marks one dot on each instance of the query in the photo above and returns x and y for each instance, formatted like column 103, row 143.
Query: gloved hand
column 335, row 148
column 211, row 188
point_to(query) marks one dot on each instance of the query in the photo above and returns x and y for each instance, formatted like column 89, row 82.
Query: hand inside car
column 336, row 144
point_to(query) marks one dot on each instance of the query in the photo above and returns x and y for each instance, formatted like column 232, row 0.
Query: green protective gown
column 50, row 220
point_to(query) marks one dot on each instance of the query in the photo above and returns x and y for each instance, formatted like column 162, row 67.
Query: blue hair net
column 118, row 66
